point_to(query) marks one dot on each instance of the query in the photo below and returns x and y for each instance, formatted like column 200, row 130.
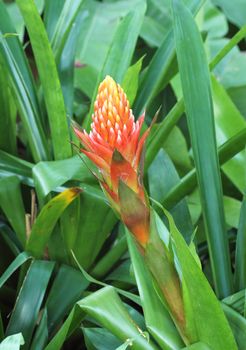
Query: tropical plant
column 122, row 238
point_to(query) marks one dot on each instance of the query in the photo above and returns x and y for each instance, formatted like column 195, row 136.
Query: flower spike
column 114, row 145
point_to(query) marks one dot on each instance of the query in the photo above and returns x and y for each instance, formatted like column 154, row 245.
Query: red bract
column 114, row 145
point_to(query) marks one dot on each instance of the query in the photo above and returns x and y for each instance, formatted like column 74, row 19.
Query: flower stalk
column 115, row 146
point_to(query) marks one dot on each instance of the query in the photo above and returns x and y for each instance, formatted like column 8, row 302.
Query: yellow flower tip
column 112, row 115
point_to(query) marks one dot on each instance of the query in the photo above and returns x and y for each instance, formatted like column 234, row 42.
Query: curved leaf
column 47, row 219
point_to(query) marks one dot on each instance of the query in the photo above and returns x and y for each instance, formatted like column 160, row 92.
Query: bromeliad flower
column 114, row 145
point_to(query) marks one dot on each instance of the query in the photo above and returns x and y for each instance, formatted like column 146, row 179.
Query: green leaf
column 228, row 123
column 161, row 133
column 181, row 159
column 125, row 39
column 109, row 259
column 232, row 211
column 52, row 12
column 19, row 260
column 194, row 73
column 41, row 334
column 235, row 11
column 64, row 25
column 100, row 24
column 100, row 338
column 237, row 96
column 11, row 165
column 91, row 279
column 237, row 301
column 197, row 346
column 204, row 315
column 130, row 81
column 215, row 23
column 25, row 314
column 12, row 205
column 47, row 219
column 73, row 320
column 13, row 342
column 23, row 87
column 240, row 259
column 152, row 30
column 163, row 168
column 49, row 79
column 189, row 181
column 50, row 175
column 160, row 68
column 157, row 318
column 66, row 290
column 85, row 79
column 105, row 307
column 66, row 65
column 238, row 325
column 96, row 223
column 7, row 113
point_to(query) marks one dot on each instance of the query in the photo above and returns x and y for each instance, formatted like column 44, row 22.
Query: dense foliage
column 71, row 274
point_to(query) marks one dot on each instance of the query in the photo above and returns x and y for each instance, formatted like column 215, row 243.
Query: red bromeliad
column 114, row 145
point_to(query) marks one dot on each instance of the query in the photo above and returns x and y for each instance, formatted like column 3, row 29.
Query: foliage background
column 50, row 68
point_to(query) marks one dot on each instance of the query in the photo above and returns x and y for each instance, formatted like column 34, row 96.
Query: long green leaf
column 130, row 81
column 63, row 26
column 162, row 167
column 238, row 325
column 100, row 338
column 91, row 279
column 41, row 334
column 66, row 65
column 156, row 138
column 49, row 175
column 188, row 183
column 96, row 223
column 124, row 39
column 23, row 87
column 49, row 79
column 7, row 113
column 110, row 258
column 66, row 289
column 11, row 165
column 237, row 301
column 106, row 308
column 19, row 260
column 198, row 103
column 240, row 268
column 228, row 123
column 12, row 205
column 47, row 219
column 157, row 318
column 159, row 70
column 28, row 303
column 205, row 319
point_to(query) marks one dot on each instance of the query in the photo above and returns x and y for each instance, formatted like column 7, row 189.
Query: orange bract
column 114, row 144
column 113, row 126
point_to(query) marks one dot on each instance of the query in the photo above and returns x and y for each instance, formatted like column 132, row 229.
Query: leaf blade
column 196, row 88
column 49, row 79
